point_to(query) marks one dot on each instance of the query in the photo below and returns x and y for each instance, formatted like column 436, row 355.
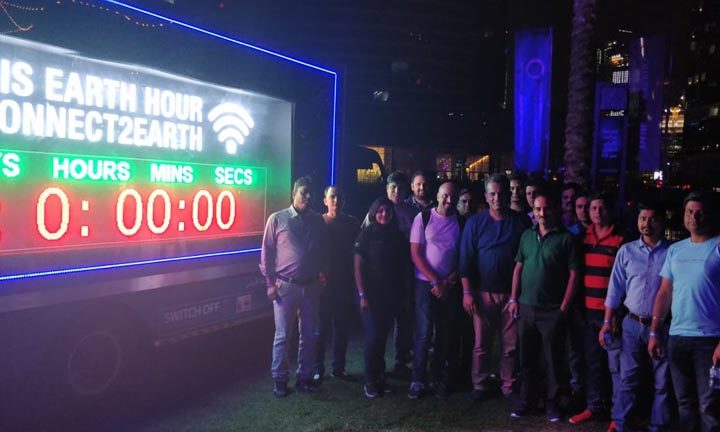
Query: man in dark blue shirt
column 487, row 259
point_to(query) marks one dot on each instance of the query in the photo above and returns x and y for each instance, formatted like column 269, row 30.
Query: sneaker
column 371, row 390
column 519, row 412
column 415, row 390
column 305, row 386
column 582, row 417
column 280, row 389
column 552, row 413
column 612, row 427
column 343, row 376
column 440, row 390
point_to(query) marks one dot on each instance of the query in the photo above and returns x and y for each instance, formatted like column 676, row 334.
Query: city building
column 698, row 158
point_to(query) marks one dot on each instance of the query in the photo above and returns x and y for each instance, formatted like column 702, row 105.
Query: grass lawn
column 247, row 404
column 222, row 383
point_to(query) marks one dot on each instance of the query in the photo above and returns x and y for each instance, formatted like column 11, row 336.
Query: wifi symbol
column 232, row 124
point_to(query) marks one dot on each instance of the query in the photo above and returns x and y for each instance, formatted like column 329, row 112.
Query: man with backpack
column 434, row 244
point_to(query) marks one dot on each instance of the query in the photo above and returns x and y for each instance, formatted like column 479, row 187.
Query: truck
column 140, row 157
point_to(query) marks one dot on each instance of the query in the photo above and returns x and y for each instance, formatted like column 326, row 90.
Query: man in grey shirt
column 292, row 255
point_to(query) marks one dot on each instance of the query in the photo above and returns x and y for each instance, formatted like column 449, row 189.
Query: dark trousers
column 575, row 330
column 431, row 313
column 377, row 323
column 403, row 321
column 460, row 344
column 337, row 307
column 690, row 361
column 602, row 369
column 541, row 330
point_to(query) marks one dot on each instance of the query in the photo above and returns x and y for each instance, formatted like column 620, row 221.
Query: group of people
column 583, row 310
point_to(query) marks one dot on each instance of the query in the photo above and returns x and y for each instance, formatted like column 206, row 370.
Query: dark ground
column 221, row 383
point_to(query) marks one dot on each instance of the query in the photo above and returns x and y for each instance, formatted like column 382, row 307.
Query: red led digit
column 196, row 210
column 120, row 212
column 42, row 214
column 165, row 197
column 225, row 196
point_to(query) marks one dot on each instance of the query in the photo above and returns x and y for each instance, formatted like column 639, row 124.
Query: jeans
column 541, row 332
column 377, row 323
column 403, row 318
column 690, row 361
column 431, row 313
column 337, row 308
column 301, row 301
column 492, row 318
column 602, row 369
column 634, row 362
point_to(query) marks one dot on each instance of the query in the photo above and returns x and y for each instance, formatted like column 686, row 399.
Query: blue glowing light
column 533, row 79
column 207, row 32
column 259, row 49
column 121, row 265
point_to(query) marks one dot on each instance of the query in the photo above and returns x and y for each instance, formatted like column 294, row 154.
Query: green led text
column 171, row 173
column 233, row 176
column 67, row 168
column 9, row 165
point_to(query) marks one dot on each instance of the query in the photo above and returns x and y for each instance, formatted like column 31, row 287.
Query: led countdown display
column 96, row 154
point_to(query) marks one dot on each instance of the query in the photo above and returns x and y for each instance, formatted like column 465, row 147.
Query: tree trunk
column 581, row 83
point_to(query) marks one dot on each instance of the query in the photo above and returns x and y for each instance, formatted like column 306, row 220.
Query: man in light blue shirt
column 634, row 282
column 691, row 286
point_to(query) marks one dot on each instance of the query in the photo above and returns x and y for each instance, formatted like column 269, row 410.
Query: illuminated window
column 385, row 154
column 370, row 176
column 620, row 77
column 444, row 166
column 477, row 167
column 714, row 111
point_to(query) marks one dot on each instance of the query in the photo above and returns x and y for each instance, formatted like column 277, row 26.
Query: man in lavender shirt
column 434, row 241
column 293, row 250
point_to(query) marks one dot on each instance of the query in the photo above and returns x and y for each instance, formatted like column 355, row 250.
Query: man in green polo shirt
column 543, row 286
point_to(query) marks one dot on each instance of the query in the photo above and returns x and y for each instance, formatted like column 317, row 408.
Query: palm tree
column 579, row 121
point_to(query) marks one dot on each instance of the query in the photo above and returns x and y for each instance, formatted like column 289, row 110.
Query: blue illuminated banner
column 647, row 76
column 533, row 73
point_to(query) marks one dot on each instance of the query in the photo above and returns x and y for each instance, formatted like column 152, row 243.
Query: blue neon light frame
column 333, row 74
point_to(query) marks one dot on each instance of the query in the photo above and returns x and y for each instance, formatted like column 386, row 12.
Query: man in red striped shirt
column 600, row 245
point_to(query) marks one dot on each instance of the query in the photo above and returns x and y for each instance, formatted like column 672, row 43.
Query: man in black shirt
column 337, row 300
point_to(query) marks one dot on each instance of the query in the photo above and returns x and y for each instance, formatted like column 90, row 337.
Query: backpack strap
column 425, row 218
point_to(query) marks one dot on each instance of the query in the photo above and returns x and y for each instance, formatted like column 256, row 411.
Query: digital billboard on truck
column 99, row 154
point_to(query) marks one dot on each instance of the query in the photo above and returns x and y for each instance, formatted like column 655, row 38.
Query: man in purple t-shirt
column 434, row 240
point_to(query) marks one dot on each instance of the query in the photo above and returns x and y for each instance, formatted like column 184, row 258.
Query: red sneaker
column 582, row 417
column 612, row 427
